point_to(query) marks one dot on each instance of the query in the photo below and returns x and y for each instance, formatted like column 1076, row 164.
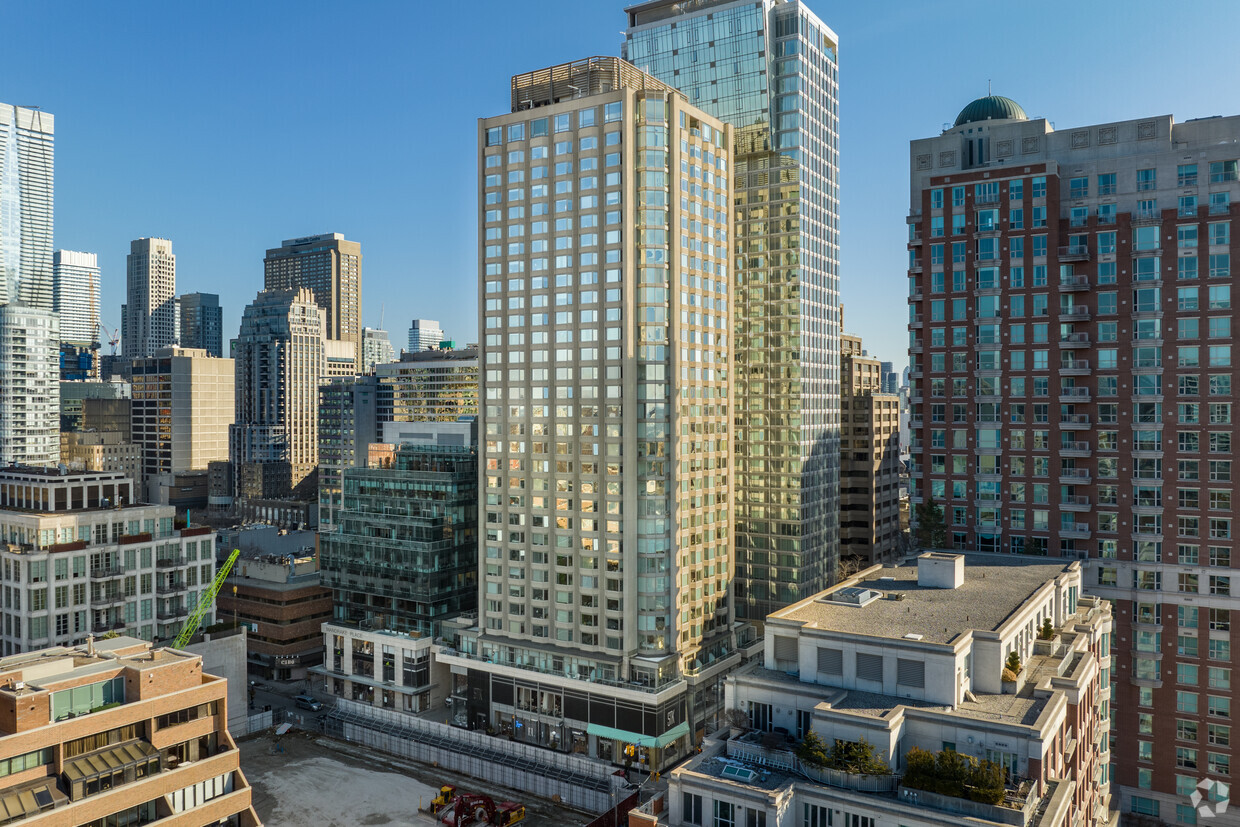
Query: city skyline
column 198, row 204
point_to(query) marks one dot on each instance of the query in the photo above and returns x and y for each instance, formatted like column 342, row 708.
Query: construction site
column 305, row 778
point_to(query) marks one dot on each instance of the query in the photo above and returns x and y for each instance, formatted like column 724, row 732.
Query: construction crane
column 114, row 336
column 204, row 602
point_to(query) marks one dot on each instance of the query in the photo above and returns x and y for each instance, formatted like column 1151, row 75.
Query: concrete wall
column 223, row 654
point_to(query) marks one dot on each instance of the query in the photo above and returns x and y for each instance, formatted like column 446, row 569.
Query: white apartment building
column 81, row 554
column 75, row 296
column 913, row 656
column 29, row 385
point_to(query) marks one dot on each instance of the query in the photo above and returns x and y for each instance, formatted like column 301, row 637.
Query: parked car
column 307, row 702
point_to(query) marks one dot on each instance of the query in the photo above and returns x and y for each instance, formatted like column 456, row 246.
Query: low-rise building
column 274, row 590
column 382, row 667
column 911, row 663
column 101, row 451
column 117, row 732
column 80, row 555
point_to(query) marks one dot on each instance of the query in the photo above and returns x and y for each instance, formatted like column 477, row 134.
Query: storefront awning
column 634, row 738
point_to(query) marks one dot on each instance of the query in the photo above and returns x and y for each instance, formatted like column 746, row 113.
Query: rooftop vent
column 940, row 570
column 913, row 636
column 852, row 596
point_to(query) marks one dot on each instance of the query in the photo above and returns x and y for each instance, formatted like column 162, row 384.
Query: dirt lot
column 318, row 780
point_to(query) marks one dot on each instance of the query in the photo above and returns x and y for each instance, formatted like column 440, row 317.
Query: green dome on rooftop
column 991, row 108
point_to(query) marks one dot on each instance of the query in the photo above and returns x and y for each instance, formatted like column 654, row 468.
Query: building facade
column 429, row 386
column 87, row 557
column 869, row 459
column 769, row 69
column 149, row 316
column 404, row 555
column 75, row 296
column 330, row 267
column 424, row 334
column 376, row 349
column 183, row 406
column 101, row 451
column 382, row 667
column 892, row 658
column 278, row 357
column 202, row 323
column 27, row 159
column 118, row 732
column 29, row 385
column 348, row 424
column 606, row 419
column 1072, row 392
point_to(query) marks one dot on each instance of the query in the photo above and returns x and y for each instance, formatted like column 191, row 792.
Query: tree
column 858, row 757
column 1047, row 631
column 931, row 526
column 812, row 750
column 1013, row 662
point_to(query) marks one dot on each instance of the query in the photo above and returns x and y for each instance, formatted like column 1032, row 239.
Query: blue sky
column 229, row 126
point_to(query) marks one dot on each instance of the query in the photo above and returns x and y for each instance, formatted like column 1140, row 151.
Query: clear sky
column 229, row 126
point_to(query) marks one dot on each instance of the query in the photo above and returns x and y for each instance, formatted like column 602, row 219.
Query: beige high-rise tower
column 605, row 217
column 149, row 317
column 330, row 267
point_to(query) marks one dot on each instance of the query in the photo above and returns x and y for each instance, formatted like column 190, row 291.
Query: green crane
column 204, row 602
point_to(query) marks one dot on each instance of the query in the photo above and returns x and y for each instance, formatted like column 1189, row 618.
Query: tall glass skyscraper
column 770, row 69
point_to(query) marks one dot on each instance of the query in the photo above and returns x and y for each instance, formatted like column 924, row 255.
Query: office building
column 202, row 323
column 891, row 379
column 424, row 334
column 279, row 364
column 106, row 414
column 118, row 732
column 376, row 349
column 911, row 661
column 404, row 555
column 606, row 422
column 330, row 267
column 149, row 315
column 339, row 359
column 94, row 558
column 429, row 386
column 278, row 595
column 1098, row 425
column 27, row 158
column 348, row 424
column 29, row 385
column 183, row 406
column 75, row 296
column 869, row 459
column 101, row 451
column 769, row 69
column 383, row 667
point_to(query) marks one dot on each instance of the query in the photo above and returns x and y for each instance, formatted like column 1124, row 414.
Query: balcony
column 915, row 266
column 1079, row 531
column 1074, row 394
column 105, row 627
column 1073, row 283
column 1076, row 313
column 916, row 320
column 172, row 613
column 1074, row 476
column 1074, row 252
column 106, row 571
column 986, row 198
column 916, row 295
column 1074, row 340
column 173, row 587
column 1075, row 449
column 1075, row 503
column 915, row 239
column 1220, row 209
column 169, row 562
column 1146, row 216
column 1074, row 367
column 1074, row 421
column 105, row 599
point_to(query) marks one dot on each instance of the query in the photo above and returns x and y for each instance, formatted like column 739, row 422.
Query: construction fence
column 577, row 782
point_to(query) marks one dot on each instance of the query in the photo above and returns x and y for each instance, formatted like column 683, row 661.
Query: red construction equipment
column 474, row 808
